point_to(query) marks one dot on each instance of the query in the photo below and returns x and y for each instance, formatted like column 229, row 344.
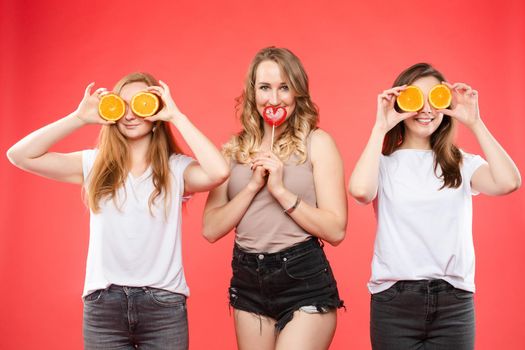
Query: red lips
column 274, row 116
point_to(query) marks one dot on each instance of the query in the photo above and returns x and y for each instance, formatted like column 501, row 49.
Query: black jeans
column 426, row 314
column 277, row 284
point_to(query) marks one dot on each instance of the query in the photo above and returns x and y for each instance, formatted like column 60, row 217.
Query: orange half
column 145, row 104
column 411, row 99
column 440, row 97
column 111, row 107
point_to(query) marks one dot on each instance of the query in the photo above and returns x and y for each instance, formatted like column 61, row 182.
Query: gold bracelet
column 293, row 207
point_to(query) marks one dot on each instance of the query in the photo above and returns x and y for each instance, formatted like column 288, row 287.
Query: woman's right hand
column 87, row 110
column 258, row 179
column 387, row 117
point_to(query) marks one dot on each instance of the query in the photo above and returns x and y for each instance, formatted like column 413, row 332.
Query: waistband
column 430, row 286
column 126, row 289
column 115, row 288
column 283, row 255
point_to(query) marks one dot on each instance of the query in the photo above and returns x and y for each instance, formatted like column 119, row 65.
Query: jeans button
column 261, row 256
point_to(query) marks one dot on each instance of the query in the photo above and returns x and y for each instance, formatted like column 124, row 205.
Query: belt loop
column 399, row 285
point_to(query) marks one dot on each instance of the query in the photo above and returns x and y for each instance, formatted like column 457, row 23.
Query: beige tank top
column 265, row 227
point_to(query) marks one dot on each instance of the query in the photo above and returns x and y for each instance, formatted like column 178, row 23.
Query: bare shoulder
column 322, row 145
column 321, row 136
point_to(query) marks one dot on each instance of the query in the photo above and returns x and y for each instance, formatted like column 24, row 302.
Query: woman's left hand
column 169, row 110
column 464, row 105
column 274, row 167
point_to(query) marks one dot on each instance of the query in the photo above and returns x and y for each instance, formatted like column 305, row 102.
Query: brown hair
column 303, row 120
column 112, row 164
column 446, row 154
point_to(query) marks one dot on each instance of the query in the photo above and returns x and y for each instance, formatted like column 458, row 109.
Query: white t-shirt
column 130, row 247
column 422, row 232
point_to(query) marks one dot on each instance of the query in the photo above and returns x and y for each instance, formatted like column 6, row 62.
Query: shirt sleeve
column 471, row 163
column 178, row 165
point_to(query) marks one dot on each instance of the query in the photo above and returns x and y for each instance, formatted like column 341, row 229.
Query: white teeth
column 421, row 120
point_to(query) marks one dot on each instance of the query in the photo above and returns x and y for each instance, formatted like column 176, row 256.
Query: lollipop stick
column 273, row 133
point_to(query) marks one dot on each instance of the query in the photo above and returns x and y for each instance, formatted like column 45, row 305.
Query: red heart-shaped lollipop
column 274, row 116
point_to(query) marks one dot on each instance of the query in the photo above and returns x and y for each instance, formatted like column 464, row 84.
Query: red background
column 50, row 50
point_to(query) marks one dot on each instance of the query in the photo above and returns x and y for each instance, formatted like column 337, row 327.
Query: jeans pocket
column 94, row 297
column 386, row 295
column 306, row 266
column 166, row 298
column 462, row 294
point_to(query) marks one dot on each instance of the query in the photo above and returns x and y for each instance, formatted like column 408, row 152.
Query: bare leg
column 254, row 332
column 308, row 331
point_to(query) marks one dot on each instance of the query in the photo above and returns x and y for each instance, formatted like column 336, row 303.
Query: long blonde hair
column 446, row 154
column 298, row 125
column 112, row 164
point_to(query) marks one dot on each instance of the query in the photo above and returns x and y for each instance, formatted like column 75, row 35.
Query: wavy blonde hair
column 298, row 125
column 113, row 162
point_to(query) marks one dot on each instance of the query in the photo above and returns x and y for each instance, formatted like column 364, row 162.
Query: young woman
column 282, row 199
column 136, row 180
column 422, row 185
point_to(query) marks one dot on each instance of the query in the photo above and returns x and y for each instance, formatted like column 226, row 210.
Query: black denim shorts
column 277, row 284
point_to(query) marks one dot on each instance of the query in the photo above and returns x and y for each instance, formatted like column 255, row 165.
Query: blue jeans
column 135, row 317
column 426, row 314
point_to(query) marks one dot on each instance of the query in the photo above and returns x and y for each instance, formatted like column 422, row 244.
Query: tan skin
column 326, row 221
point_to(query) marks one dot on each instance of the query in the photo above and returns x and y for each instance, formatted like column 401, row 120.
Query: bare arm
column 364, row 179
column 32, row 152
column 222, row 215
column 211, row 169
column 500, row 176
column 328, row 220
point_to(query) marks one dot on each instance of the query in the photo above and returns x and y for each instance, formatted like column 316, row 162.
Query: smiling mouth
column 424, row 120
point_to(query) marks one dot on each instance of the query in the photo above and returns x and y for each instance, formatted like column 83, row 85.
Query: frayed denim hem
column 322, row 308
